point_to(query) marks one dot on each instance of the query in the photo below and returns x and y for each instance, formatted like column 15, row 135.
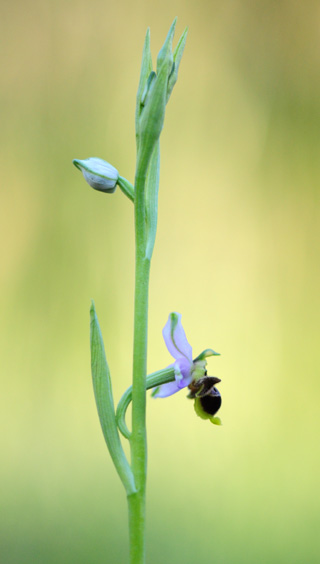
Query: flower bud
column 99, row 174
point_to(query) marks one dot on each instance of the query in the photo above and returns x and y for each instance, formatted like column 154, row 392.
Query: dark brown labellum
column 203, row 386
column 209, row 396
column 211, row 403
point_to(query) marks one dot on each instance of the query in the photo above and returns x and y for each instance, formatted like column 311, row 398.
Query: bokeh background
column 237, row 253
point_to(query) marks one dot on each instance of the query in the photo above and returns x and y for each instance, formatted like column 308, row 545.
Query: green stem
column 138, row 443
column 137, row 520
column 126, row 187
column 153, row 380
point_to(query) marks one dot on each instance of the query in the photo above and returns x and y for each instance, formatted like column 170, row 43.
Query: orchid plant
column 154, row 90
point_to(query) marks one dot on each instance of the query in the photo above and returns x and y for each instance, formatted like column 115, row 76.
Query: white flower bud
column 99, row 174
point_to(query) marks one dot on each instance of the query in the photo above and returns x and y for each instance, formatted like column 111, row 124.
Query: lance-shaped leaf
column 152, row 117
column 152, row 76
column 146, row 68
column 152, row 189
column 177, row 56
column 165, row 52
column 104, row 400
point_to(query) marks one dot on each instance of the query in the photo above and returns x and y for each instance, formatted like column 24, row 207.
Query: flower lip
column 207, row 397
column 203, row 387
column 211, row 403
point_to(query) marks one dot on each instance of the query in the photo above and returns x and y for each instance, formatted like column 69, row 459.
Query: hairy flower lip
column 211, row 403
column 204, row 387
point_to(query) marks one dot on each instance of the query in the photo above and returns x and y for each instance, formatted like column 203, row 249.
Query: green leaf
column 147, row 88
column 152, row 189
column 177, row 55
column 146, row 68
column 165, row 54
column 104, row 400
column 152, row 118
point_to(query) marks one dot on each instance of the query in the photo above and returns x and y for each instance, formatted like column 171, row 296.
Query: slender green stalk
column 153, row 93
column 138, row 442
column 137, row 526
column 153, row 381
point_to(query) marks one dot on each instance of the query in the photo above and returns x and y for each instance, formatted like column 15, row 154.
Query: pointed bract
column 165, row 53
column 146, row 68
column 152, row 118
column 152, row 188
column 177, row 55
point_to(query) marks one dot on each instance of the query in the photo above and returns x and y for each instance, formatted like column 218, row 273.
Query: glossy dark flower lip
column 207, row 397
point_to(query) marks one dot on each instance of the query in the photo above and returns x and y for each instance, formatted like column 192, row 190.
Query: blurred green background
column 237, row 253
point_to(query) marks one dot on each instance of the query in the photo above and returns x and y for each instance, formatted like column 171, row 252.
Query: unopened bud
column 99, row 174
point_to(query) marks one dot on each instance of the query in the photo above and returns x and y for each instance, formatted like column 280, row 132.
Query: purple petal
column 167, row 390
column 182, row 370
column 175, row 338
column 183, row 375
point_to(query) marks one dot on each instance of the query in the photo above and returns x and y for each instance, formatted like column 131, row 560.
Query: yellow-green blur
column 237, row 253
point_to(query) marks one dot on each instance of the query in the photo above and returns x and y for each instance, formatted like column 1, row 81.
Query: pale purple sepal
column 167, row 390
column 175, row 338
column 178, row 346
